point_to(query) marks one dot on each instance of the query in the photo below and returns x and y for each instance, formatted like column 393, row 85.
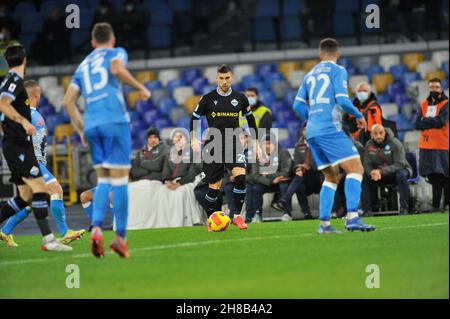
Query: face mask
column 362, row 96
column 251, row 101
column 435, row 95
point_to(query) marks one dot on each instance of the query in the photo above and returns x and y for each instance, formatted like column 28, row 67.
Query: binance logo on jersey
column 225, row 114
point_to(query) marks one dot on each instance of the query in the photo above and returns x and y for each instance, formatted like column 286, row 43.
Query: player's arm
column 9, row 111
column 300, row 105
column 341, row 95
column 70, row 105
column 251, row 122
column 119, row 70
column 199, row 111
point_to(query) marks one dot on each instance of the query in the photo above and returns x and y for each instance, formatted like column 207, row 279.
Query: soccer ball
column 219, row 221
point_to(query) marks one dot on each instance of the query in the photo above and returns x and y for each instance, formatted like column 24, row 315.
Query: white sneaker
column 286, row 218
column 54, row 245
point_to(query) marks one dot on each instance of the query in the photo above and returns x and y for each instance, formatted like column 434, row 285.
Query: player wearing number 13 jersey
column 321, row 99
column 106, row 129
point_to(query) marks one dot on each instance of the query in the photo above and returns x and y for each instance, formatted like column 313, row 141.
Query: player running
column 18, row 149
column 221, row 108
column 53, row 187
column 320, row 100
column 106, row 128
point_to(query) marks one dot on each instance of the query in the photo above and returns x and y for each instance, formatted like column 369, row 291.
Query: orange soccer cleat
column 239, row 222
column 120, row 247
column 97, row 242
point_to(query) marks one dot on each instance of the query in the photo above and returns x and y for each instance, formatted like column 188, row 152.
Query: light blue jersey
column 40, row 137
column 322, row 97
column 105, row 103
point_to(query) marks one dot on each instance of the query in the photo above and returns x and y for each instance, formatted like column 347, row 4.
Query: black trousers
column 439, row 183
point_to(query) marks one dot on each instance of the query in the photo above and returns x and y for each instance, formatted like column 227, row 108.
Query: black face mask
column 435, row 95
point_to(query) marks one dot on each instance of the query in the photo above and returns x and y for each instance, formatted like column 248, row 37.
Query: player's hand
column 375, row 175
column 195, row 144
column 83, row 139
column 28, row 127
column 299, row 171
column 361, row 123
column 144, row 94
column 277, row 180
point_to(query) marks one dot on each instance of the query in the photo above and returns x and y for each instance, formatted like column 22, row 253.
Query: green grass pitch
column 269, row 260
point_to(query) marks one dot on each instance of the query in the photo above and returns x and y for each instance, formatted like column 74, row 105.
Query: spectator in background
column 52, row 43
column 106, row 13
column 385, row 163
column 432, row 121
column 262, row 114
column 307, row 180
column 7, row 22
column 366, row 102
column 133, row 26
column 268, row 175
column 149, row 162
column 178, row 168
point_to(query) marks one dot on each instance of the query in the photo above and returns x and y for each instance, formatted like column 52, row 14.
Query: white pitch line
column 192, row 244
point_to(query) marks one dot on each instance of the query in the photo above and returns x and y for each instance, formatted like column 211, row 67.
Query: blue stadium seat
column 292, row 7
column 403, row 124
column 86, row 18
column 143, row 106
column 343, row 24
column 47, row 7
column 383, row 98
column 273, row 77
column 287, row 143
column 264, row 30
column 141, row 138
column 163, row 123
column 153, row 5
column 401, row 99
column 31, row 22
column 184, row 23
column 374, row 69
column 190, row 74
column 199, row 84
column 290, row 97
column 445, row 67
column 347, row 6
column 293, row 128
column 80, row 3
column 267, row 9
column 173, row 84
column 290, row 28
column 365, row 3
column 263, row 70
column 153, row 85
column 285, row 117
column 150, row 117
column 260, row 86
column 166, row 105
column 250, row 80
column 278, row 106
column 161, row 15
column 353, row 70
column 409, row 77
column 27, row 40
column 395, row 88
column 159, row 37
column 208, row 88
column 268, row 97
column 118, row 4
column 24, row 7
column 181, row 5
column 445, row 84
column 398, row 71
column 184, row 122
column 134, row 116
column 345, row 62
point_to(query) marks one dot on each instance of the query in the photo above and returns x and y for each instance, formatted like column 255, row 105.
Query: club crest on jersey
column 34, row 171
column 234, row 102
column 387, row 147
column 22, row 157
column 215, row 102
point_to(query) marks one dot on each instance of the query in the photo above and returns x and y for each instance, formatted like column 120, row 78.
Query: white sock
column 50, row 237
column 351, row 215
column 325, row 223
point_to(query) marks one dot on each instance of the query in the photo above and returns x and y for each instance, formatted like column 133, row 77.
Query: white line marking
column 192, row 244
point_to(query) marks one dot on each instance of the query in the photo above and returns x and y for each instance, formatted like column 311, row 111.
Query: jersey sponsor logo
column 27, row 102
column 234, row 102
column 34, row 171
column 225, row 114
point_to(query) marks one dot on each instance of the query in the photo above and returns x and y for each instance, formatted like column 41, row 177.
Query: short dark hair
column 329, row 45
column 224, row 68
column 30, row 84
column 15, row 55
column 102, row 32
column 438, row 80
column 252, row 89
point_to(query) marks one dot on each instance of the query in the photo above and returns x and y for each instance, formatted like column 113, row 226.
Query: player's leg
column 39, row 205
column 214, row 174
column 86, row 199
column 6, row 233
column 239, row 192
column 118, row 161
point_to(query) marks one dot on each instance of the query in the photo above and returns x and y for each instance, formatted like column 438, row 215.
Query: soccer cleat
column 257, row 219
column 119, row 247
column 54, row 245
column 239, row 222
column 8, row 239
column 279, row 206
column 97, row 242
column 208, row 226
column 72, row 235
column 358, row 224
column 286, row 218
column 327, row 230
